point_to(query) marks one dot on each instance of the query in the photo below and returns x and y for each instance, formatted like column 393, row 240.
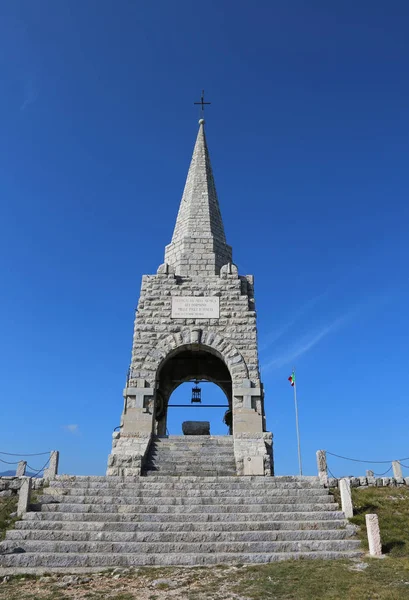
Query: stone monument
column 195, row 321
column 194, row 504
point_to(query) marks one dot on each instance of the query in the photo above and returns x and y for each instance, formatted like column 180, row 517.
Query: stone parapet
column 364, row 482
column 253, row 453
column 9, row 486
column 128, row 454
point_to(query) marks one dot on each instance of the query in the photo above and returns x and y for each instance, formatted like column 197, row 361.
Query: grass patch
column 7, row 507
column 309, row 580
column 392, row 507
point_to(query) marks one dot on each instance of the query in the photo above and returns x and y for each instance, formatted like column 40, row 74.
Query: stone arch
column 195, row 337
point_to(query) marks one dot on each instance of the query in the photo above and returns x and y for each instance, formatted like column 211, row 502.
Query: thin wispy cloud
column 278, row 333
column 306, row 343
column 74, row 429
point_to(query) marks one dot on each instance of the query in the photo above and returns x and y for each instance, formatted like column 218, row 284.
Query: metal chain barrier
column 377, row 462
column 35, row 474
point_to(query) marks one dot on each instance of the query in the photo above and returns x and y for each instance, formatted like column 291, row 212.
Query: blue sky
column 309, row 137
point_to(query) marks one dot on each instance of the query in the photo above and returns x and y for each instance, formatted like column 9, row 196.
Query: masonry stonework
column 168, row 350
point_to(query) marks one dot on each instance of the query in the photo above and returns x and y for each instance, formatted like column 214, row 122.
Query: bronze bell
column 196, row 394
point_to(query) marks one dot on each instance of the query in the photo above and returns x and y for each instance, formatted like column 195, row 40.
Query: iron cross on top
column 202, row 104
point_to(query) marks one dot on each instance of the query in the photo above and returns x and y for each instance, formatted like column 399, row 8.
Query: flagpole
column 296, row 422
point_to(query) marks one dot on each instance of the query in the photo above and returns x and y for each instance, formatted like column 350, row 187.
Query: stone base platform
column 103, row 522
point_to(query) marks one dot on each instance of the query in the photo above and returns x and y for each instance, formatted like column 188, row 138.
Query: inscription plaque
column 195, row 307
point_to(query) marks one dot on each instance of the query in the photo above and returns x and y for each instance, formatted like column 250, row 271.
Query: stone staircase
column 89, row 523
column 198, row 455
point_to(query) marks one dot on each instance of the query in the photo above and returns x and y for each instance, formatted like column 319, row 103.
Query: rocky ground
column 366, row 579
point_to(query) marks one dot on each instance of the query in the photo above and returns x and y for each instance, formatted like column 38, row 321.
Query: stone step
column 202, row 472
column 187, row 460
column 182, row 465
column 216, row 526
column 187, row 508
column 194, row 439
column 180, row 447
column 186, row 501
column 220, row 492
column 48, row 561
column 195, row 452
column 187, row 457
column 179, row 536
column 42, row 546
column 238, row 483
column 199, row 448
column 187, row 479
column 200, row 517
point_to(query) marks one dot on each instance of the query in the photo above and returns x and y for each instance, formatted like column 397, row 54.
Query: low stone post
column 21, row 468
column 374, row 535
column 322, row 466
column 370, row 473
column 24, row 496
column 397, row 469
column 346, row 498
column 52, row 469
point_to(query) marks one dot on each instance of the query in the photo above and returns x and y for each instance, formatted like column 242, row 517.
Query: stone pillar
column 52, row 470
column 24, row 496
column 374, row 535
column 322, row 466
column 250, row 447
column 246, row 419
column 346, row 498
column 137, row 418
column 21, row 468
column 131, row 443
column 370, row 473
column 397, row 469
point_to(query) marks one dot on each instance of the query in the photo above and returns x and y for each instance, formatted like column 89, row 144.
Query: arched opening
column 200, row 367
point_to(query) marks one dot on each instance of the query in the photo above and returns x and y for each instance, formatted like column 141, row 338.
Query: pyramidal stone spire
column 199, row 243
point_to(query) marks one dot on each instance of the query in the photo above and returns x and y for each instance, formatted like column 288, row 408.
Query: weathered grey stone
column 21, row 468
column 52, row 470
column 374, row 535
column 397, row 469
column 24, row 496
column 346, row 498
column 120, row 522
column 369, row 473
column 196, row 427
column 253, row 465
column 198, row 264
column 322, row 466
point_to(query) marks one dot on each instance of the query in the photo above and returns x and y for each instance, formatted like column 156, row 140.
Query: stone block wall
column 127, row 455
column 370, row 482
column 232, row 336
column 9, row 486
column 154, row 328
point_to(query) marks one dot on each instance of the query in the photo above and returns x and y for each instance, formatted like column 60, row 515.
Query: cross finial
column 202, row 105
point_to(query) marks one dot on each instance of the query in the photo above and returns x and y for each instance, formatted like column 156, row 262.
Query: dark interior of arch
column 189, row 364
